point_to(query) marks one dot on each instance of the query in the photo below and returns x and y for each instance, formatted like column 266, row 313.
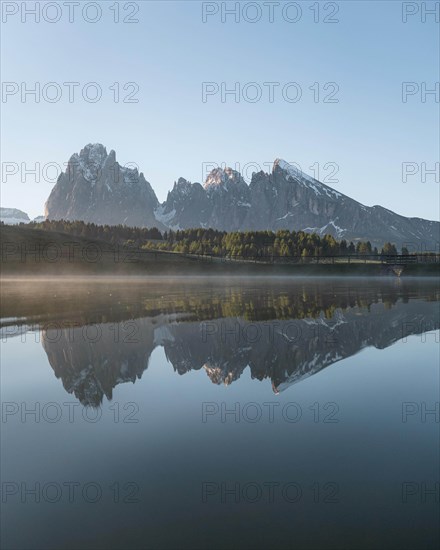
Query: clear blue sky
column 171, row 132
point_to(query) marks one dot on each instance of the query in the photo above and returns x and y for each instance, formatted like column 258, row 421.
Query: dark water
column 227, row 414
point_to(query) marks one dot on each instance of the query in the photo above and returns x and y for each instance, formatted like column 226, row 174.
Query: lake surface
column 220, row 414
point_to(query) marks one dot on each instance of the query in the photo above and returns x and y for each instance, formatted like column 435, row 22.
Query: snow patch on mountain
column 163, row 217
column 319, row 188
column 13, row 216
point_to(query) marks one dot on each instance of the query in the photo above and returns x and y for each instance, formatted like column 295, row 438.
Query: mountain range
column 96, row 188
column 14, row 216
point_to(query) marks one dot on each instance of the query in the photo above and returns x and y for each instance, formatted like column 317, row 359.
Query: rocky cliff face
column 289, row 199
column 303, row 203
column 95, row 188
column 178, row 211
column 229, row 197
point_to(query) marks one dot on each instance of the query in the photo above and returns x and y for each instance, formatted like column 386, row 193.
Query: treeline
column 238, row 244
column 115, row 234
column 254, row 244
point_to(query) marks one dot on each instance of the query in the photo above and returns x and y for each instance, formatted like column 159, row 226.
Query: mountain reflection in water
column 100, row 334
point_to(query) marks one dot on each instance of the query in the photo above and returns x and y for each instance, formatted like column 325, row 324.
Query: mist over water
column 168, row 413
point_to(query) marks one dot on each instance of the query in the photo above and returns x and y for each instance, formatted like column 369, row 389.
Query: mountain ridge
column 95, row 188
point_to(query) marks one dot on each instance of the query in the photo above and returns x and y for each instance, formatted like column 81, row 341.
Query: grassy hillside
column 34, row 251
column 27, row 251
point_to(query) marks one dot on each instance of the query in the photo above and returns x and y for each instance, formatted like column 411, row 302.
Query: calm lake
column 207, row 413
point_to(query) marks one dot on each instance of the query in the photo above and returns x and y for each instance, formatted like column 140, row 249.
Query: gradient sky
column 171, row 132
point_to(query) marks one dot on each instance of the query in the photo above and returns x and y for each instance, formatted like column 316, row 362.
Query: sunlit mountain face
column 99, row 335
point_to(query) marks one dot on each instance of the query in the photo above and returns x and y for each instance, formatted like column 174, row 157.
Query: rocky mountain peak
column 183, row 189
column 182, row 185
column 95, row 188
column 295, row 175
column 94, row 151
column 88, row 162
column 280, row 164
column 221, row 177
